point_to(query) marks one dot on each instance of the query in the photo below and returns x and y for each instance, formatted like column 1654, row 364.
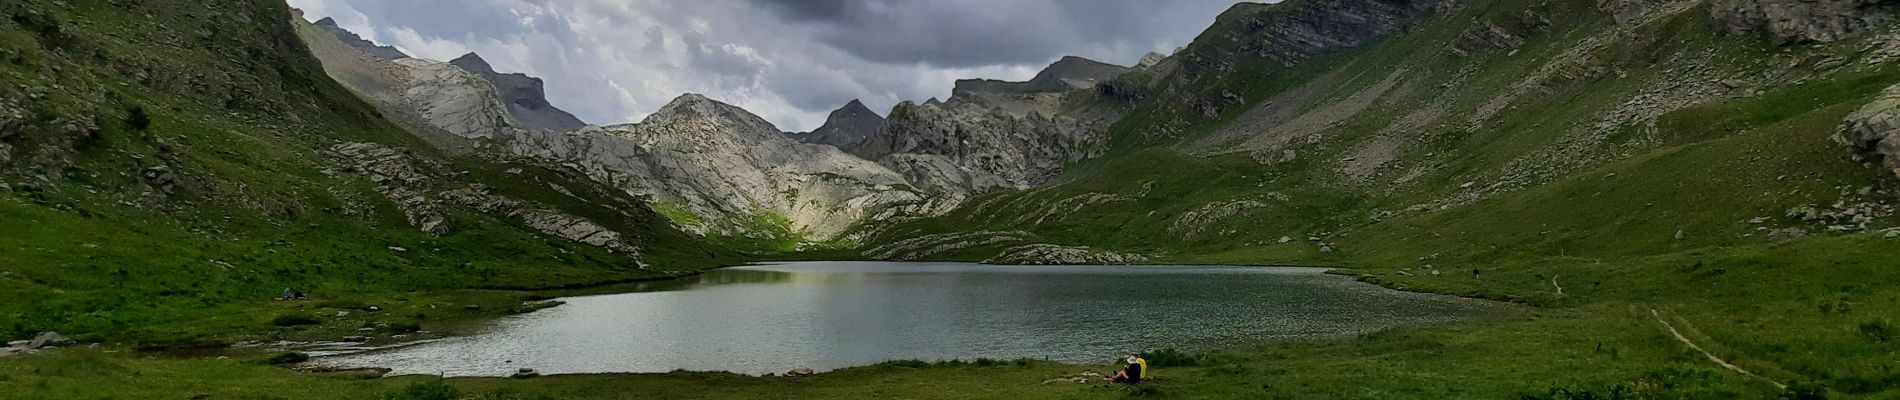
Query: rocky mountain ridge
column 1067, row 74
column 961, row 147
column 359, row 43
column 726, row 171
column 728, row 167
column 1449, row 108
column 526, row 96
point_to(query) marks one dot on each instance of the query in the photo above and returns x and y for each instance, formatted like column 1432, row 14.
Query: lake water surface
column 829, row 315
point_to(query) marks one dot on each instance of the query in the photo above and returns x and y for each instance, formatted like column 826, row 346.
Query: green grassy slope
column 1675, row 213
column 242, row 116
column 1617, row 244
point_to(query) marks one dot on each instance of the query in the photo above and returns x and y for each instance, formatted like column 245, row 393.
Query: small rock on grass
column 49, row 339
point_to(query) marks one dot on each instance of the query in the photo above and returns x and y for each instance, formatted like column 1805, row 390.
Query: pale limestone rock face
column 721, row 161
column 408, row 182
column 455, row 100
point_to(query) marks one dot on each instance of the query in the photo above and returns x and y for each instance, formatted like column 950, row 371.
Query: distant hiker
column 300, row 296
column 1132, row 373
column 1475, row 274
column 285, row 295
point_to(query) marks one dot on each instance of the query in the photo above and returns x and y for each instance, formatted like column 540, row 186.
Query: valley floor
column 1618, row 330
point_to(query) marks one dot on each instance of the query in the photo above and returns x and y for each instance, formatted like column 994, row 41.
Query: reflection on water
column 827, row 315
column 741, row 275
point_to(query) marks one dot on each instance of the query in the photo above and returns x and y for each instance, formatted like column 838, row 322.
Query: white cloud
column 790, row 61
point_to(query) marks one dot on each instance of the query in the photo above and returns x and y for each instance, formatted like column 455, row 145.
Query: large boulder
column 1874, row 130
column 48, row 339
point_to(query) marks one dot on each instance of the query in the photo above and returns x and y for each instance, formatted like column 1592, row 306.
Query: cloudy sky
column 790, row 61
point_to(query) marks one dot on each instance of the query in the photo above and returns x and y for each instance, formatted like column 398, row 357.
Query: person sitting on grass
column 1131, row 374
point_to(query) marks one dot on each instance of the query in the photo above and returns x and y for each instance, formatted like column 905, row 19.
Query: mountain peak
column 526, row 95
column 693, row 115
column 691, row 105
column 473, row 63
column 689, row 99
column 1066, row 74
column 1079, row 60
column 358, row 42
column 846, row 126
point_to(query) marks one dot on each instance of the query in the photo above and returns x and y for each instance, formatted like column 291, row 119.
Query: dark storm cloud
column 963, row 33
column 791, row 61
column 818, row 10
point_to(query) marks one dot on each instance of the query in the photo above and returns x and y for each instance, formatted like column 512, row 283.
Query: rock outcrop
column 927, row 246
column 398, row 180
column 1050, row 254
column 1874, row 130
column 423, row 198
column 541, row 219
column 845, row 127
column 525, row 96
column 1506, row 34
column 1150, row 60
column 1804, row 21
column 367, row 47
column 1636, row 12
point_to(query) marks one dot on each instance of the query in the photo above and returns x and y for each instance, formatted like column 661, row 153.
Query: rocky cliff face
column 845, row 128
column 525, row 96
column 961, row 147
column 1803, row 21
column 454, row 100
column 1290, row 32
column 996, row 135
column 1264, row 36
column 357, row 42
